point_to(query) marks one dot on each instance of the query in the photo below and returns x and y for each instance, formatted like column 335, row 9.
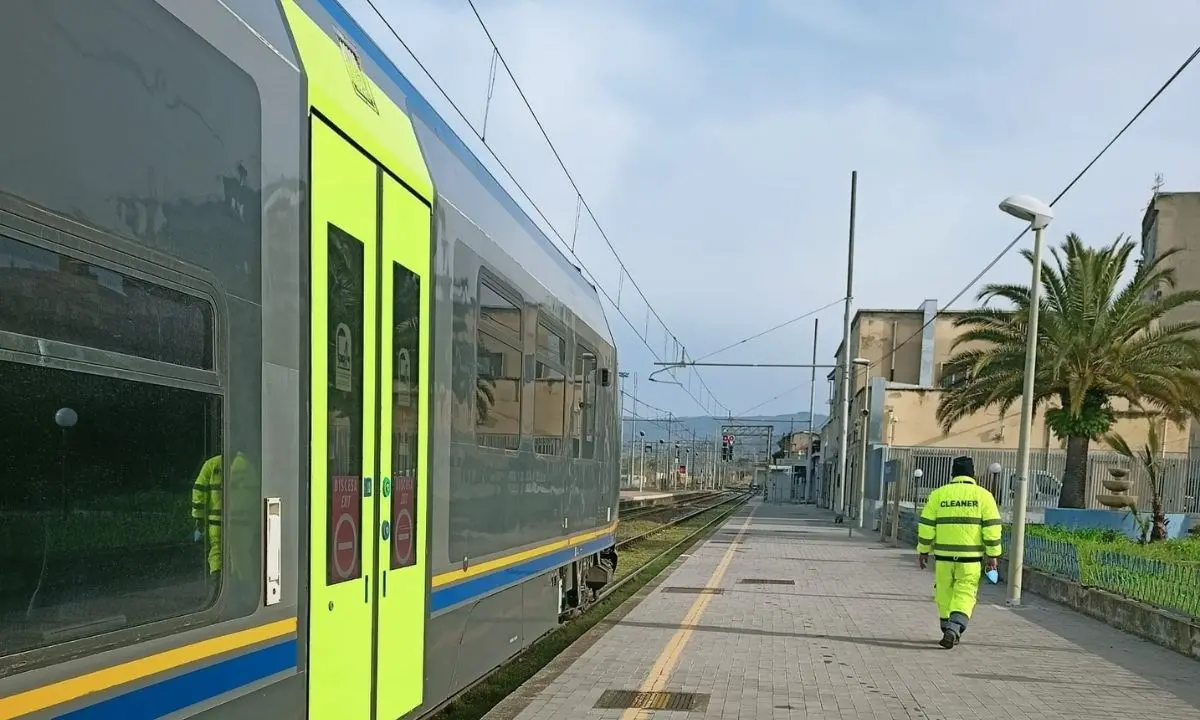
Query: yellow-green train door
column 403, row 445
column 344, row 427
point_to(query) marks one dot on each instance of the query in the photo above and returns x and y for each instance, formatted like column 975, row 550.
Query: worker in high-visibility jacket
column 960, row 525
column 208, row 508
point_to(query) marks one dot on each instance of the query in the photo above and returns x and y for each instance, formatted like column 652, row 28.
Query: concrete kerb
column 1162, row 627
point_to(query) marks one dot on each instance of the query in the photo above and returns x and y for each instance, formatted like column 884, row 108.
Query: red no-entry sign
column 404, row 507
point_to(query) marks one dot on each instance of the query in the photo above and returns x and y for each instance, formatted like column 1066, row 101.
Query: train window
column 345, row 384
column 585, row 403
column 497, row 393
column 406, row 410
column 551, row 344
column 549, row 409
column 550, row 392
column 111, row 505
column 498, row 309
column 59, row 297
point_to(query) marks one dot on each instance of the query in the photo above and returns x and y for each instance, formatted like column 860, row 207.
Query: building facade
column 893, row 410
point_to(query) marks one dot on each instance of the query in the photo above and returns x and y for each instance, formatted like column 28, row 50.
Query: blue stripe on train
column 168, row 696
column 451, row 595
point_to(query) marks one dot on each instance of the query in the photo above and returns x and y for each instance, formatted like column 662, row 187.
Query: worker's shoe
column 949, row 639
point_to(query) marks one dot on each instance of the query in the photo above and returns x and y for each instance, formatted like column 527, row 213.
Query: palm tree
column 1150, row 458
column 1097, row 340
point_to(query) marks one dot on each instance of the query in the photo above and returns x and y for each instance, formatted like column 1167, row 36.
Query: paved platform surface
column 853, row 637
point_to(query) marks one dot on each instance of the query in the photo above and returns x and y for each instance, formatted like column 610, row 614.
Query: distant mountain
column 708, row 427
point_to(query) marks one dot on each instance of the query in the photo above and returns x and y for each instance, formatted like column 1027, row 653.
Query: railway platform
column 780, row 615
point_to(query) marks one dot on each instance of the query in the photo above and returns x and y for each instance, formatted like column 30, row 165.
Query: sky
column 713, row 140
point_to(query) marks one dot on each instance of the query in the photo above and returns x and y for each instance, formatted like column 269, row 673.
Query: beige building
column 895, row 400
column 1172, row 221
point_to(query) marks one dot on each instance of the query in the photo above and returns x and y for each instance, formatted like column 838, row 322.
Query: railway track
column 638, row 512
column 641, row 549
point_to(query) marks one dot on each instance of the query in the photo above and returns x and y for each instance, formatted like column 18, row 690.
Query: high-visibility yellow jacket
column 208, row 503
column 960, row 521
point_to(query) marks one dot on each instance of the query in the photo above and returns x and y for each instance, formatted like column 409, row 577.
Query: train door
column 369, row 299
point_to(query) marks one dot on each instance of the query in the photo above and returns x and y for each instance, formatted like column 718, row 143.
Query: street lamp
column 994, row 470
column 642, row 470
column 862, row 456
column 1038, row 214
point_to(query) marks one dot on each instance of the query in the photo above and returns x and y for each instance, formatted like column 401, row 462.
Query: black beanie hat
column 962, row 465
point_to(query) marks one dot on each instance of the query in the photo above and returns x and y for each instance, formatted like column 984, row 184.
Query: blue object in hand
column 196, row 538
column 993, row 576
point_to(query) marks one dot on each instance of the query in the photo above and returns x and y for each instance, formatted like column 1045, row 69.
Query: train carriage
column 302, row 416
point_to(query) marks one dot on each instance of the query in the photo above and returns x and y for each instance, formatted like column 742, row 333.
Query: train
column 301, row 414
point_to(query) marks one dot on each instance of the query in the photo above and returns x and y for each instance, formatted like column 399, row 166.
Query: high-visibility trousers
column 955, row 588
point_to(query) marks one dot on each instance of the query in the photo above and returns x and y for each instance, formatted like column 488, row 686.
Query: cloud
column 715, row 144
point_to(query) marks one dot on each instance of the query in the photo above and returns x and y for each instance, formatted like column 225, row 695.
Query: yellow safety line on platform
column 660, row 673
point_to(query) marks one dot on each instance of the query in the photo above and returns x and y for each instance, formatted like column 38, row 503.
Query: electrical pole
column 812, row 389
column 844, row 363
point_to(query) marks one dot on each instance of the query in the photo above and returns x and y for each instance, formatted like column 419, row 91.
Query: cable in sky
column 1062, row 193
column 575, row 186
column 538, row 210
column 781, row 325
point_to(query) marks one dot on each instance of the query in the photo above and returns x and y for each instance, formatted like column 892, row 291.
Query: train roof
column 421, row 111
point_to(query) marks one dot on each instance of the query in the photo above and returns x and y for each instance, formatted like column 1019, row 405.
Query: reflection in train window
column 345, row 392
column 495, row 307
column 584, row 406
column 549, row 409
column 551, row 345
column 406, row 413
column 497, row 393
column 59, row 297
column 111, row 508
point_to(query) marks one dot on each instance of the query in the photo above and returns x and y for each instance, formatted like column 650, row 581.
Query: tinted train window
column 585, row 403
column 549, row 392
column 497, row 393
column 406, row 413
column 58, row 297
column 111, row 505
column 495, row 307
column 345, row 378
column 552, row 345
column 549, row 409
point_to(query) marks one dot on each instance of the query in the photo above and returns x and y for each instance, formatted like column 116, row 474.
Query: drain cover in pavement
column 765, row 581
column 694, row 590
column 630, row 699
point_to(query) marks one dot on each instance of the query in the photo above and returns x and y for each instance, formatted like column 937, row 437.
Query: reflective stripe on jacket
column 960, row 520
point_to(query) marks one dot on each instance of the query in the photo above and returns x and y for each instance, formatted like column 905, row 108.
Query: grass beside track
column 503, row 681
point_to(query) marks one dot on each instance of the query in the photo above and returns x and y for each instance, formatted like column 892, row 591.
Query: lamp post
column 642, row 470
column 866, row 427
column 1038, row 214
column 994, row 470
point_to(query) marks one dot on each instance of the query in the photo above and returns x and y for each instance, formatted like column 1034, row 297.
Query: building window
column 499, row 373
column 550, row 393
column 584, row 406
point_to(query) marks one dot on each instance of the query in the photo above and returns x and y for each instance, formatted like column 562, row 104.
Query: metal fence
column 1170, row 585
column 1180, row 492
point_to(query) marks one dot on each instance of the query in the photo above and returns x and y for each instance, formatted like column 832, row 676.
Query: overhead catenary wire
column 583, row 203
column 780, row 326
column 1008, row 248
column 567, row 247
column 1061, row 194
